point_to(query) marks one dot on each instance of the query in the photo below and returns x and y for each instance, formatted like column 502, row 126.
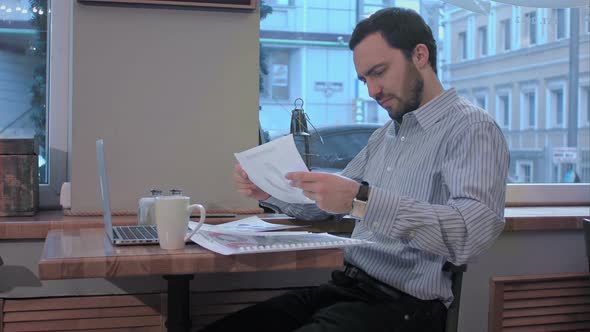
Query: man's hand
column 245, row 187
column 332, row 193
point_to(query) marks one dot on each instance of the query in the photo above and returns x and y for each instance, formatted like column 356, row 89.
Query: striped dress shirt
column 438, row 184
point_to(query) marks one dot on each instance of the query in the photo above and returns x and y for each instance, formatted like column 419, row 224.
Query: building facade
column 523, row 66
column 515, row 62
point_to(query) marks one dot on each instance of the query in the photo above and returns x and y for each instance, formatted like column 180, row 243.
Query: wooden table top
column 87, row 253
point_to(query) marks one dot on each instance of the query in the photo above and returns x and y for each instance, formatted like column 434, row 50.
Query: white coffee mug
column 172, row 214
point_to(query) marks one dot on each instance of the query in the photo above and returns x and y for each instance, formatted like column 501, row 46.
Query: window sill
column 36, row 227
column 538, row 218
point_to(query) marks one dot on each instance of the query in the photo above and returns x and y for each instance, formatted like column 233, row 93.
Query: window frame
column 506, row 33
column 267, row 93
column 59, row 87
column 481, row 93
column 463, row 50
column 551, row 116
column 558, row 21
column 530, row 164
column 500, row 114
column 584, row 104
column 525, row 115
column 528, row 24
column 482, row 35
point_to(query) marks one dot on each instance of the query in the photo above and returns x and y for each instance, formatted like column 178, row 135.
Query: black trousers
column 342, row 305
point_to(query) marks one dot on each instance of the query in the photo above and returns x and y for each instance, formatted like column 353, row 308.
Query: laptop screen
column 104, row 189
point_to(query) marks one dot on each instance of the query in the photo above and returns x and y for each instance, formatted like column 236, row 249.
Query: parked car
column 340, row 144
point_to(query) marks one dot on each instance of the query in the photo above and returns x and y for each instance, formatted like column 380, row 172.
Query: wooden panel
column 546, row 302
column 82, row 324
column 577, row 327
column 1, row 315
column 82, row 302
column 555, row 302
column 80, row 313
column 546, row 310
column 94, row 313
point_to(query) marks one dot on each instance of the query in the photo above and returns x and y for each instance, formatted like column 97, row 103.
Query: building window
column 506, row 33
column 584, row 107
column 276, row 82
column 529, row 30
column 503, row 110
column 557, row 107
column 368, row 7
column 482, row 33
column 463, row 44
column 524, row 171
column 24, row 77
column 559, row 16
column 279, row 2
column 481, row 101
column 529, row 110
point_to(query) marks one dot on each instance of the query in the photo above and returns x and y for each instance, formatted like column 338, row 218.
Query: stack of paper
column 248, row 236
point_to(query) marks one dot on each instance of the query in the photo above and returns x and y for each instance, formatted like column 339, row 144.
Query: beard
column 414, row 100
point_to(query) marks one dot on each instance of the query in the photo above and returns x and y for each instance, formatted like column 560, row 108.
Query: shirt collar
column 431, row 112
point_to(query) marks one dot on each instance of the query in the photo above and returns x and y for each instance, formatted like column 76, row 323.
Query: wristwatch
column 359, row 203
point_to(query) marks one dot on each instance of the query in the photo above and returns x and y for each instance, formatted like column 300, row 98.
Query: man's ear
column 420, row 56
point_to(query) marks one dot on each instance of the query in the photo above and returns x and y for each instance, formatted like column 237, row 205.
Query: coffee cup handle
column 202, row 218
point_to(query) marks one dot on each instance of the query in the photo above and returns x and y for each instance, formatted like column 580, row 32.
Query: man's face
column 392, row 80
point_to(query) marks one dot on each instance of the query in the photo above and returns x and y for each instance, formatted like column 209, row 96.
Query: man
column 428, row 188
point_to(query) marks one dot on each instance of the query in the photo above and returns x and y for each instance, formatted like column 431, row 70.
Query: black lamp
column 299, row 129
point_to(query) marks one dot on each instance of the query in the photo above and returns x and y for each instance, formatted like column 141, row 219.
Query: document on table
column 249, row 224
column 267, row 165
column 235, row 240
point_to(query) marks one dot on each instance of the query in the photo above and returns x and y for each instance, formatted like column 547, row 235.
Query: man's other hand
column 332, row 193
column 246, row 187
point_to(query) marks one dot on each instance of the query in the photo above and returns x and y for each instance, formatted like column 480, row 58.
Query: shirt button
column 389, row 168
column 403, row 138
column 376, row 224
column 411, row 234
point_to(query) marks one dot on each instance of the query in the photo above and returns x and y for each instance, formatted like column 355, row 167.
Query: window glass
column 560, row 22
column 488, row 58
column 463, row 44
column 483, row 40
column 506, row 34
column 24, row 74
column 529, row 24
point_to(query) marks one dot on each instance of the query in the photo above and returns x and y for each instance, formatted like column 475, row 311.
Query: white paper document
column 267, row 165
column 249, row 224
column 235, row 240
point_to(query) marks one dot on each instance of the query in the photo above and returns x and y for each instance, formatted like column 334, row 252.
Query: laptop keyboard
column 138, row 232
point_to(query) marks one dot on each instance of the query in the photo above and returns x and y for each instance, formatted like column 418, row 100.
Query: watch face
column 363, row 193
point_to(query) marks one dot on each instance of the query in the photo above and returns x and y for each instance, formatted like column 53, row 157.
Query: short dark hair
column 402, row 28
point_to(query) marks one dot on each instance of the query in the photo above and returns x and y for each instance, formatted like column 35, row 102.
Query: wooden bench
column 551, row 302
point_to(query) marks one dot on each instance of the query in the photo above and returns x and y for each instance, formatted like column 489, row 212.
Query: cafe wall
column 173, row 92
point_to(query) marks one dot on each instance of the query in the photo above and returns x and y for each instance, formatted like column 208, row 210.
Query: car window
column 339, row 148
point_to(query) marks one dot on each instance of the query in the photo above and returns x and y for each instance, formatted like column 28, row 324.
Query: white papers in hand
column 267, row 165
column 249, row 224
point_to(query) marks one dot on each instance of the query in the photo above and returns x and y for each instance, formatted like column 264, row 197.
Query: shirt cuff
column 381, row 211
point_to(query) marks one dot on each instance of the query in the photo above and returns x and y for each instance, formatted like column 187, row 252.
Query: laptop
column 119, row 235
